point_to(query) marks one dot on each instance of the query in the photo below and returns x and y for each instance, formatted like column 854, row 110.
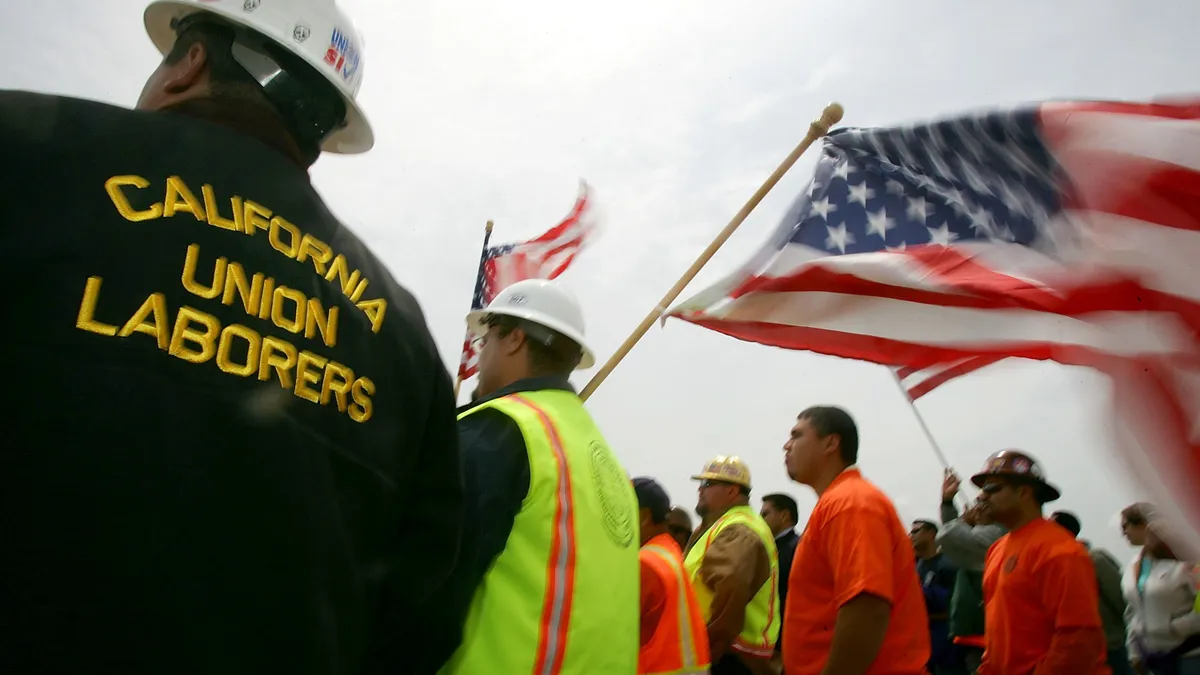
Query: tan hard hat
column 729, row 469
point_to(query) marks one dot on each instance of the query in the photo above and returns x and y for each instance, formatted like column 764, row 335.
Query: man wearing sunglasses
column 1039, row 585
column 550, row 563
column 237, row 449
column 734, row 567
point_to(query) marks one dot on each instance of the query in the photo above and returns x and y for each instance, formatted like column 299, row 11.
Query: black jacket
column 224, row 454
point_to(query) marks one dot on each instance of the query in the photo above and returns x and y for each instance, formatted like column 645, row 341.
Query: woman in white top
column 1162, row 625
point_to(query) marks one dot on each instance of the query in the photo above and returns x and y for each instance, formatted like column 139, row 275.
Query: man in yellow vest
column 734, row 567
column 553, row 558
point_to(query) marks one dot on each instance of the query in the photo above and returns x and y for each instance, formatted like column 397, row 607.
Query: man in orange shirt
column 1039, row 585
column 674, row 638
column 859, row 608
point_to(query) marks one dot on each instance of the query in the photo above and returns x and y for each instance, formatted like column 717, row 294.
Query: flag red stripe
column 966, row 367
column 889, row 351
column 1111, row 295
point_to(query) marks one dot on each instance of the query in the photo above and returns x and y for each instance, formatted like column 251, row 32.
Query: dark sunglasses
column 705, row 484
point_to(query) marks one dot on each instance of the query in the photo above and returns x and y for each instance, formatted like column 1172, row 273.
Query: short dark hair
column 550, row 352
column 926, row 525
column 1068, row 521
column 306, row 105
column 228, row 80
column 782, row 502
column 828, row 419
column 652, row 497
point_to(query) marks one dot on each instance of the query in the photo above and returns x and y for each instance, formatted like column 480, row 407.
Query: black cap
column 1068, row 521
column 651, row 495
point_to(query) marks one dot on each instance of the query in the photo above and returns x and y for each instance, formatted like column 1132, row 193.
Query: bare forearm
column 858, row 635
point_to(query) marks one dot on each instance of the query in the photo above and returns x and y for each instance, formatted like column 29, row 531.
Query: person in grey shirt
column 965, row 541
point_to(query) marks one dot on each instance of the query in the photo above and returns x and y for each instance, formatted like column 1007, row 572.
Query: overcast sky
column 675, row 112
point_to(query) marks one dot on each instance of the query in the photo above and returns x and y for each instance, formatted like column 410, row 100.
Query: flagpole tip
column 832, row 114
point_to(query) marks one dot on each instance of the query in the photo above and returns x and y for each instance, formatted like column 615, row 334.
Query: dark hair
column 652, row 497
column 828, row 419
column 304, row 104
column 926, row 525
column 1136, row 514
column 782, row 502
column 550, row 353
column 1068, row 521
column 229, row 80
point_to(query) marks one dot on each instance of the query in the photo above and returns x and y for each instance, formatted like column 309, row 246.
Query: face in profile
column 805, row 451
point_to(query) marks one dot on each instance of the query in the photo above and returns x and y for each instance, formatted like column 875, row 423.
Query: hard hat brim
column 720, row 477
column 355, row 137
column 1048, row 492
column 475, row 323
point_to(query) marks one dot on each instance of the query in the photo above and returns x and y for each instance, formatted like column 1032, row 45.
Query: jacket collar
column 528, row 384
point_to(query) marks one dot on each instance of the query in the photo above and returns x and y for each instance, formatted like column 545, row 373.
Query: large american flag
column 1063, row 231
column 545, row 257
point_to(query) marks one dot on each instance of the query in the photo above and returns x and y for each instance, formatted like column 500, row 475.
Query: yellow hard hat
column 730, row 469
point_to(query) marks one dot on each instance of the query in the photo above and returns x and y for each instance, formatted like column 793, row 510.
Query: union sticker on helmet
column 342, row 55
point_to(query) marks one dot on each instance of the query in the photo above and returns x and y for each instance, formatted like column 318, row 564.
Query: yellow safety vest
column 563, row 596
column 761, row 627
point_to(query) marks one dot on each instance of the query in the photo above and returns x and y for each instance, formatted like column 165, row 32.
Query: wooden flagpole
column 829, row 117
column 487, row 236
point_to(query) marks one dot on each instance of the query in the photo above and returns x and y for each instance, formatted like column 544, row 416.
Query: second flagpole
column 487, row 237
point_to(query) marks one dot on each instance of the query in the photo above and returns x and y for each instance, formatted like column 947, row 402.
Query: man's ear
column 833, row 444
column 188, row 71
column 513, row 341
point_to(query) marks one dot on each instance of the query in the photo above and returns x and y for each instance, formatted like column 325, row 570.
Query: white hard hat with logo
column 317, row 31
column 540, row 301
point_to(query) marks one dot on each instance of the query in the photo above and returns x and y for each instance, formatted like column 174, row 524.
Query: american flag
column 545, row 257
column 1064, row 231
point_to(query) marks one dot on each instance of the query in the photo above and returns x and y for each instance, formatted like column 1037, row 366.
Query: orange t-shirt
column 854, row 544
column 1038, row 582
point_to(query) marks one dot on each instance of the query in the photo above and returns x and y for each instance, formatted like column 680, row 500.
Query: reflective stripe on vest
column 562, row 597
column 560, row 575
column 760, row 629
column 691, row 660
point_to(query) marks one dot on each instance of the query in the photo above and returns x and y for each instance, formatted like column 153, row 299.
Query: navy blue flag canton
column 984, row 178
column 484, row 286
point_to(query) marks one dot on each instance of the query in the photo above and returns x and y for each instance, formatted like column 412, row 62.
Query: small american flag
column 1063, row 231
column 545, row 257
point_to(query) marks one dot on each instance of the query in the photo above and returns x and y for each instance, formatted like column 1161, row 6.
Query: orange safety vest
column 679, row 645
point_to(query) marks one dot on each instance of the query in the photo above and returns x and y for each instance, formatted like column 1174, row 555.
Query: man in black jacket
column 234, row 446
column 782, row 514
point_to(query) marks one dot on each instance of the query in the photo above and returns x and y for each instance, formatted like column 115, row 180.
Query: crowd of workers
column 262, row 469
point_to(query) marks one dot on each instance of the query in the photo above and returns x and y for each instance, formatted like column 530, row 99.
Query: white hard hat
column 540, row 301
column 315, row 30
